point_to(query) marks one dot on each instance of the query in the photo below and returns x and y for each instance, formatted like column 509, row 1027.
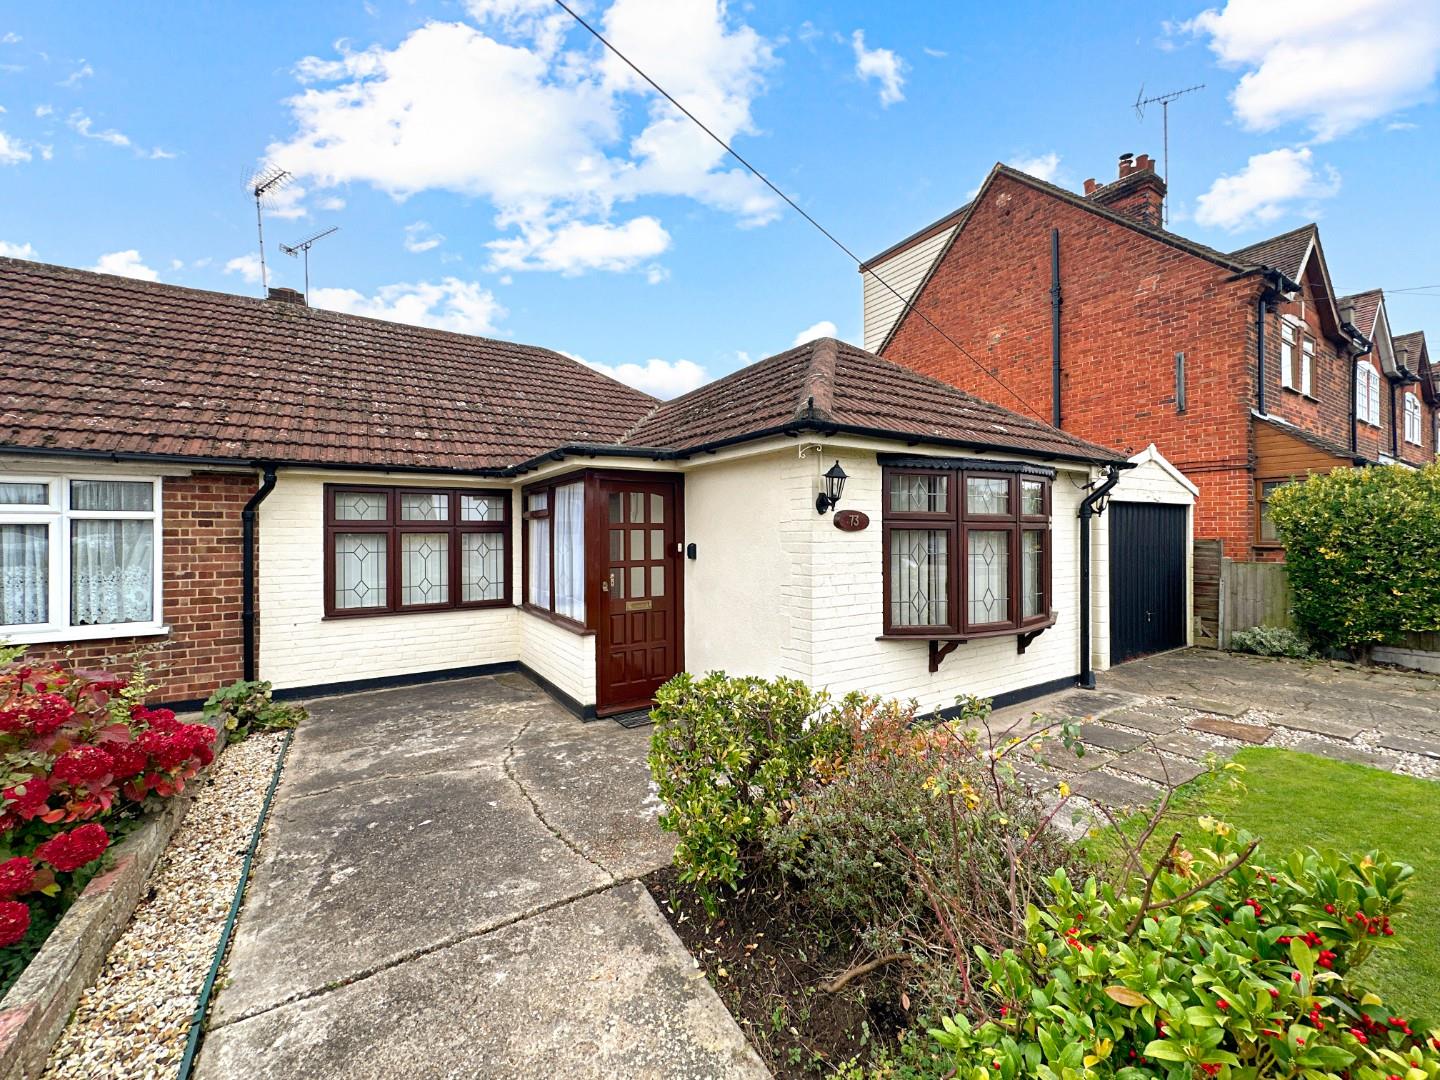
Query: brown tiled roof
column 1367, row 307
column 100, row 363
column 1414, row 343
column 1285, row 252
column 831, row 385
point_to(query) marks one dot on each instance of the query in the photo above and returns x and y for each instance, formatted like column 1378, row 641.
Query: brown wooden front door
column 640, row 626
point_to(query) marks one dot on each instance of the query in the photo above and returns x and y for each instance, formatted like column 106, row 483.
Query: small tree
column 1363, row 548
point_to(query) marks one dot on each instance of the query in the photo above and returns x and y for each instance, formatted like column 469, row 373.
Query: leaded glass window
column 988, row 575
column 919, row 493
column 483, row 507
column 920, row 577
column 1032, row 573
column 361, row 579
column 424, row 568
column 1032, row 498
column 424, row 506
column 361, row 506
column 987, row 496
column 482, row 566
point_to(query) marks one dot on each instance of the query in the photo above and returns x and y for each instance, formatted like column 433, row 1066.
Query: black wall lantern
column 834, row 485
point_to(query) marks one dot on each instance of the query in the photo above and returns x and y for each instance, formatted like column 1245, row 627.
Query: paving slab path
column 1158, row 722
column 447, row 888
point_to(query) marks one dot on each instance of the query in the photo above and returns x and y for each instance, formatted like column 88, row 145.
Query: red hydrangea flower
column 11, row 719
column 127, row 760
column 74, row 849
column 164, row 719
column 14, row 922
column 47, row 713
column 28, row 800
column 17, row 876
column 82, row 765
column 167, row 749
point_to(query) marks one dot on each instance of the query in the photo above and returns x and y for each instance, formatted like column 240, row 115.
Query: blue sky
column 490, row 170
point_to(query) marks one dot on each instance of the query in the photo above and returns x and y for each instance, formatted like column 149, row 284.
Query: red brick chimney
column 287, row 296
column 1138, row 192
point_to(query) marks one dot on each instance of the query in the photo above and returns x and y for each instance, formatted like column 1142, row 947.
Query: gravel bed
column 133, row 1022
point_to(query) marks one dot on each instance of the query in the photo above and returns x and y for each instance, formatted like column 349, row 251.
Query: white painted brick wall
column 563, row 656
column 300, row 647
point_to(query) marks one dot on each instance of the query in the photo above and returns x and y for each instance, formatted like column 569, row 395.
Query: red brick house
column 258, row 488
column 1241, row 367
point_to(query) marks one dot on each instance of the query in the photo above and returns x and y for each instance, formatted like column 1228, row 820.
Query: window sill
column 578, row 629
column 942, row 645
column 345, row 616
column 83, row 633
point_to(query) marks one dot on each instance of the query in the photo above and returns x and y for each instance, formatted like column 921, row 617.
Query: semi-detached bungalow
column 263, row 489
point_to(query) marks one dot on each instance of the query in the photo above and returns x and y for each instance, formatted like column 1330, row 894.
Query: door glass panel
column 987, row 495
column 637, row 544
column 637, row 582
column 989, row 576
column 617, row 545
column 657, row 581
column 657, row 543
column 617, row 509
column 637, row 507
column 657, row 509
column 617, row 583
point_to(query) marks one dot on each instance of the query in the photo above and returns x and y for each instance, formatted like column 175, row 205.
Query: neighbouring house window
column 966, row 551
column 1367, row 393
column 1307, row 363
column 1265, row 528
column 1287, row 353
column 1412, row 418
column 394, row 550
column 555, row 549
column 78, row 553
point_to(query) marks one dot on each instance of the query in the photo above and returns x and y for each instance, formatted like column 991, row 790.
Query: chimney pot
column 1138, row 193
column 287, row 296
column 1347, row 312
column 1090, row 186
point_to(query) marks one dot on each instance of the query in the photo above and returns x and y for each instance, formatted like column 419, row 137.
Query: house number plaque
column 851, row 520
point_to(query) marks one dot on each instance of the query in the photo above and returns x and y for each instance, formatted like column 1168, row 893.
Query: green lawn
column 1294, row 800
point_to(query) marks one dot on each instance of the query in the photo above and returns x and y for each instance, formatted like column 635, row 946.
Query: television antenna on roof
column 302, row 247
column 263, row 184
column 1163, row 100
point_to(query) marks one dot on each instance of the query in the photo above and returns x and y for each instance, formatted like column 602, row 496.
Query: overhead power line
column 908, row 306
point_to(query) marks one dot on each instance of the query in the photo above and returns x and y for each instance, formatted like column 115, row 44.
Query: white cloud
column 1042, row 166
column 576, row 247
column 17, row 251
column 882, row 65
column 554, row 133
column 1342, row 64
column 247, row 266
column 450, row 304
column 823, row 328
column 1266, row 189
column 9, row 38
column 43, row 111
column 660, row 378
column 126, row 264
column 420, row 237
column 82, row 125
column 938, row 54
column 12, row 151
column 330, row 202
column 84, row 71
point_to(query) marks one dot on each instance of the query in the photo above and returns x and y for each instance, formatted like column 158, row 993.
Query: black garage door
column 1147, row 579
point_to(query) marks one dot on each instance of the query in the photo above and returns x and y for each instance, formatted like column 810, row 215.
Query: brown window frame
column 1261, row 540
column 547, row 487
column 392, row 528
column 958, row 523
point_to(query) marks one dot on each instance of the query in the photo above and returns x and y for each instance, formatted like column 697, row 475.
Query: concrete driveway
column 446, row 888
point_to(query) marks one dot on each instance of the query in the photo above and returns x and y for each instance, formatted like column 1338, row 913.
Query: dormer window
column 1367, row 393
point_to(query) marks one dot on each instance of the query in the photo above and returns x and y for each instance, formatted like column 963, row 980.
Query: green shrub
column 726, row 754
column 1272, row 641
column 1251, row 973
column 1363, row 548
column 248, row 706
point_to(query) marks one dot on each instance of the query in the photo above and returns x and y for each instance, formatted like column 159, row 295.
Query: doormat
column 635, row 718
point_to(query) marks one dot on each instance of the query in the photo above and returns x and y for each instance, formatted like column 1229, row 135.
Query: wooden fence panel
column 1254, row 594
column 1208, row 566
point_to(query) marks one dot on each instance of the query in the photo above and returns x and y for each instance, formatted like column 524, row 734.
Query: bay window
column 79, row 557
column 966, row 548
column 396, row 550
column 555, row 549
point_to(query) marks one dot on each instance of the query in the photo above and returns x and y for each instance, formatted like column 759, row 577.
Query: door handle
column 605, row 585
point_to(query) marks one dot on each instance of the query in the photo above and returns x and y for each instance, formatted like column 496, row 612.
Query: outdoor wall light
column 834, row 485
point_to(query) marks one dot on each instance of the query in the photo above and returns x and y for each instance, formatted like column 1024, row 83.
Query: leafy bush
column 78, row 751
column 1216, row 968
column 246, row 705
column 921, row 835
column 1363, row 548
column 1272, row 641
column 725, row 754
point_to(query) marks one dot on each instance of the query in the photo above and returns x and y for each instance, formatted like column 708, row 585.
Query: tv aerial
column 301, row 248
column 263, row 184
column 1163, row 100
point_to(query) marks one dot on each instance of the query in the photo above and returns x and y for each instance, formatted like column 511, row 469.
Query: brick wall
column 202, row 595
column 1130, row 304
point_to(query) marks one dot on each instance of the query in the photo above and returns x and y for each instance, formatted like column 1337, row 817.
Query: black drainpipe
column 1089, row 510
column 1264, row 304
column 1394, row 430
column 1055, row 326
column 247, row 568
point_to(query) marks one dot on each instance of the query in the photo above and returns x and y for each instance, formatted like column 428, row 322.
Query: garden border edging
column 39, row 1005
